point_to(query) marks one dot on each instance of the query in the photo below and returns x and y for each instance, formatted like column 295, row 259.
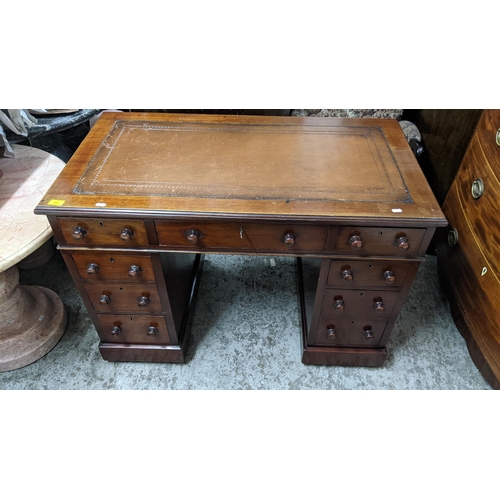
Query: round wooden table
column 32, row 318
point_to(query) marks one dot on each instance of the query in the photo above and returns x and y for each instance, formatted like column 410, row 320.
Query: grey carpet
column 246, row 336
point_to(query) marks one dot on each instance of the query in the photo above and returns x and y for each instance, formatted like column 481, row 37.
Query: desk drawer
column 251, row 237
column 113, row 298
column 403, row 242
column 104, row 266
column 133, row 329
column 367, row 304
column 349, row 332
column 356, row 274
column 103, row 232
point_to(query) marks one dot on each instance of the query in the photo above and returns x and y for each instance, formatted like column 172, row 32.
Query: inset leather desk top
column 206, row 164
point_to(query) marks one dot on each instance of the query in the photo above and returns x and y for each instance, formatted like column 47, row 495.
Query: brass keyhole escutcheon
column 477, row 188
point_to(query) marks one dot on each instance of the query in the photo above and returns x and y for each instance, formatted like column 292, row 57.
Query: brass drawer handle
column 453, row 237
column 143, row 301
column 134, row 271
column 477, row 188
column 289, row 239
column 116, row 330
column 92, row 268
column 356, row 241
column 126, row 234
column 79, row 233
column 152, row 331
column 104, row 300
column 389, row 277
column 193, row 236
column 331, row 332
column 403, row 242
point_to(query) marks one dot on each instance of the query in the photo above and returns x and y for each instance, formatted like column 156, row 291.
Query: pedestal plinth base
column 32, row 321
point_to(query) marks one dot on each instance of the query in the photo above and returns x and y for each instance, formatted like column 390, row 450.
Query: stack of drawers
column 360, row 293
column 126, row 292
column 469, row 249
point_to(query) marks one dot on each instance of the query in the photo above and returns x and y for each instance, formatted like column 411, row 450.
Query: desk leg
column 32, row 320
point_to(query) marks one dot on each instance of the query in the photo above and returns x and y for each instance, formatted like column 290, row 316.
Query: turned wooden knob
column 143, row 301
column 152, row 331
column 368, row 333
column 347, row 275
column 134, row 271
column 403, row 242
column 339, row 304
column 104, row 300
column 289, row 239
column 379, row 306
column 331, row 332
column 92, row 268
column 193, row 236
column 79, row 233
column 126, row 234
column 356, row 241
column 116, row 330
column 389, row 277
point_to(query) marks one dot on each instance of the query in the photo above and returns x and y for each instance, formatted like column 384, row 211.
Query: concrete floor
column 245, row 335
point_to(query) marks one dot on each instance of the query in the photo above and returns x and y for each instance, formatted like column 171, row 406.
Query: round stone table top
column 24, row 181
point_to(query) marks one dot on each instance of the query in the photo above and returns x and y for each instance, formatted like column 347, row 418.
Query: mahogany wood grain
column 242, row 236
column 103, row 232
column 114, row 266
column 378, row 241
column 359, row 303
column 133, row 329
column 125, row 298
column 366, row 273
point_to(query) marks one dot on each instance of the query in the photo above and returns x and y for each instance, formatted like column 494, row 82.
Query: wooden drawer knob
column 104, row 300
column 389, row 277
column 152, row 331
column 347, row 275
column 79, row 233
column 403, row 242
column 126, row 234
column 134, row 271
column 289, row 239
column 116, row 330
column 143, row 301
column 193, row 236
column 92, row 268
column 331, row 332
column 339, row 304
column 477, row 188
column 379, row 306
column 369, row 335
column 356, row 241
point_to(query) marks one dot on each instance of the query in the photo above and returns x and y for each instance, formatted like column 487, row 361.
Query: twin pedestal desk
column 146, row 195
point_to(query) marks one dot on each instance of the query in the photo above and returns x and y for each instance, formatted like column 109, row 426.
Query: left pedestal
column 32, row 321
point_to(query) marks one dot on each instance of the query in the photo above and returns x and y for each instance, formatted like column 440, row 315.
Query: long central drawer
column 242, row 236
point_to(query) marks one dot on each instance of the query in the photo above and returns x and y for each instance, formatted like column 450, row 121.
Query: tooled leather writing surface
column 244, row 161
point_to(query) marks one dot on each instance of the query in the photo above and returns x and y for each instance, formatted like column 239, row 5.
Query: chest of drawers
column 469, row 248
column 147, row 195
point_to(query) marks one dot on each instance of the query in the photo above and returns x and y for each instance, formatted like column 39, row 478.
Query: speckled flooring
column 245, row 335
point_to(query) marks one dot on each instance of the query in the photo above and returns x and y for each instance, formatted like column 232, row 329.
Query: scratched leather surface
column 244, row 161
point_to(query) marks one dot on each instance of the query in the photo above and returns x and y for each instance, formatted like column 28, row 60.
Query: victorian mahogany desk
column 146, row 195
